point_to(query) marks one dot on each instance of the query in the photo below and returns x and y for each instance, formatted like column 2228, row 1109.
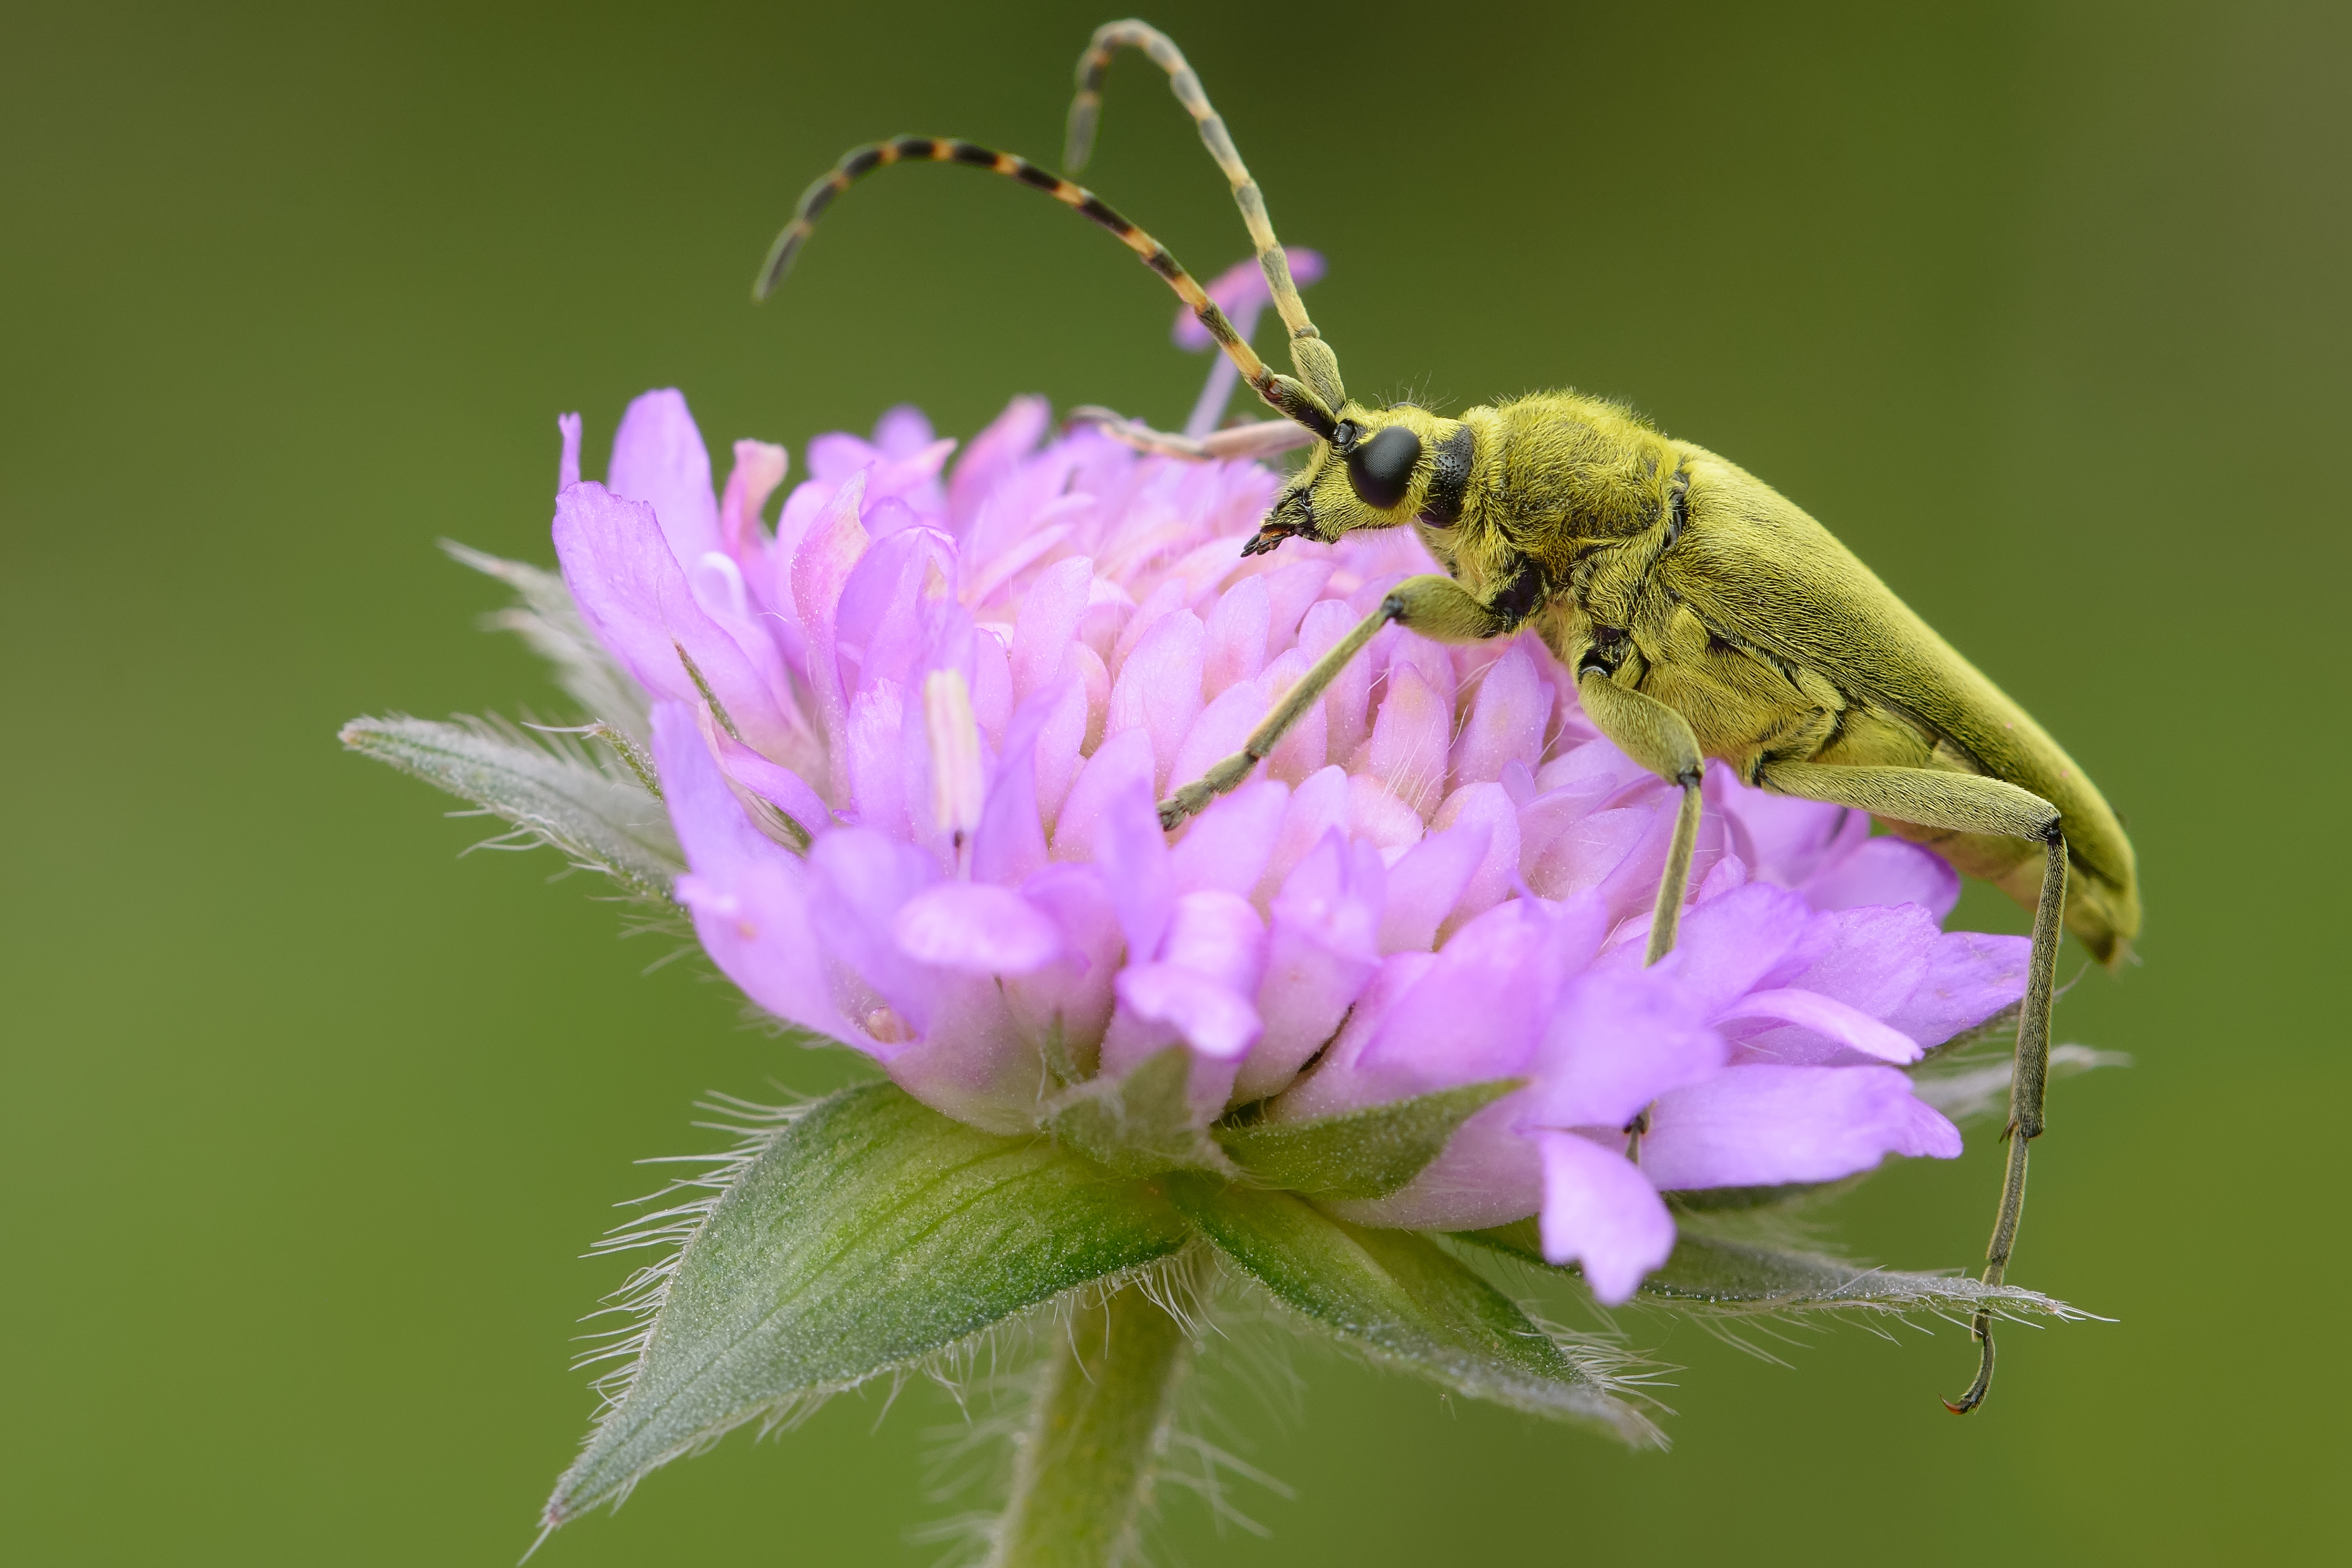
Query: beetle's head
column 1380, row 468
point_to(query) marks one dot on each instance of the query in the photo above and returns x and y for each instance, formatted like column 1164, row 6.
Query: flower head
column 911, row 742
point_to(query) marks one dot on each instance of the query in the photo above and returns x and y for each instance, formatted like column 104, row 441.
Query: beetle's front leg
column 1264, row 439
column 1433, row 606
column 1970, row 803
column 1661, row 740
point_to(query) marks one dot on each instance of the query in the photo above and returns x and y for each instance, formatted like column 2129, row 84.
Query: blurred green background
column 2042, row 308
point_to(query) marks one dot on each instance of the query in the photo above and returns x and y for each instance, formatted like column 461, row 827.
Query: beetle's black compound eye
column 1381, row 469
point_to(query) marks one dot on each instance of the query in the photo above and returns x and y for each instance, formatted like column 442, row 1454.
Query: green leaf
column 549, row 621
column 1398, row 1297
column 1718, row 1276
column 553, row 792
column 1138, row 1125
column 870, row 1233
column 1364, row 1154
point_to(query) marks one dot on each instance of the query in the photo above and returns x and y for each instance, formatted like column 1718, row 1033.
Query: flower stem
column 1084, row 1466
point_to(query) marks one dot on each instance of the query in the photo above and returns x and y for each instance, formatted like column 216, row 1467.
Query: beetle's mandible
column 1704, row 615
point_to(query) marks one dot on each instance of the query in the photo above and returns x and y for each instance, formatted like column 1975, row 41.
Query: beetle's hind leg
column 1264, row 439
column 1661, row 740
column 1969, row 802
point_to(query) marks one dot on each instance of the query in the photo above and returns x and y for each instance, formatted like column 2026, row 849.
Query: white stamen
column 957, row 784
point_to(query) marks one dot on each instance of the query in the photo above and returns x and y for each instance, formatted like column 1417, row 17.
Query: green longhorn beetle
column 1704, row 615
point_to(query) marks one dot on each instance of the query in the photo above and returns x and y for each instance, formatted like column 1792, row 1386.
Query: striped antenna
column 1085, row 112
column 1284, row 396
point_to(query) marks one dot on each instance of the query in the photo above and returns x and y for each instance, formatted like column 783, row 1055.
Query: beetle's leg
column 1661, row 740
column 1433, row 606
column 1970, row 803
column 1261, row 440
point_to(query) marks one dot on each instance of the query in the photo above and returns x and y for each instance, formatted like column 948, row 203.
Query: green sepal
column 1369, row 1152
column 550, row 791
column 870, row 1233
column 1399, row 1297
column 1717, row 1276
column 1138, row 1125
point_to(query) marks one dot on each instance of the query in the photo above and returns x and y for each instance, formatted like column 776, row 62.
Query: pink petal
column 1375, row 814
column 993, row 454
column 1159, row 688
column 1885, row 870
column 1488, row 1174
column 567, row 465
column 1218, row 733
column 1320, row 952
column 1612, row 1044
column 760, row 467
column 1765, row 1125
column 1970, row 977
column 975, row 927
column 1121, row 762
column 1601, row 1212
column 1304, row 747
column 658, row 458
column 1236, row 636
column 1227, row 845
column 1048, row 623
column 1409, row 740
column 630, row 588
column 1424, row 883
column 1133, row 856
column 1209, row 1016
column 1486, row 806
column 1347, row 702
column 1506, row 722
column 1828, row 1018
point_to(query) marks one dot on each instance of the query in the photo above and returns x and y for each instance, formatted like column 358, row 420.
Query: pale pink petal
column 1121, row 762
column 1207, row 1014
column 1425, row 883
column 1375, row 814
column 1507, row 721
column 1227, row 846
column 1409, row 739
column 1347, row 702
column 1602, row 1213
column 567, row 465
column 1235, row 637
column 1304, row 746
column 1318, row 805
column 633, row 593
column 1048, row 623
column 1159, row 688
column 1613, row 1043
column 760, row 467
column 1489, row 1174
column 1486, row 806
column 1218, row 733
column 975, row 927
column 1970, row 977
column 1290, row 588
column 1884, row 870
column 658, row 458
column 1826, row 1018
column 1133, row 855
column 1321, row 950
column 1764, row 1127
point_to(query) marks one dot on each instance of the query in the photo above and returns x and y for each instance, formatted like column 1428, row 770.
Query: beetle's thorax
column 1569, row 488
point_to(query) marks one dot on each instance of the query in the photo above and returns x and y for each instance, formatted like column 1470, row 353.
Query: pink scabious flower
column 911, row 741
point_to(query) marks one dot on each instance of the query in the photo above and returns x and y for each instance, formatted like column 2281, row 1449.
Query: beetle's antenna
column 1286, row 396
column 1317, row 364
